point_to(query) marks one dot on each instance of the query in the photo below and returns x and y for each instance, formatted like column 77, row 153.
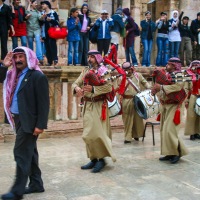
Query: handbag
column 57, row 32
column 93, row 34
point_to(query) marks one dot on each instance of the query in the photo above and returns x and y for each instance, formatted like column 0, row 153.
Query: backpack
column 137, row 30
column 93, row 34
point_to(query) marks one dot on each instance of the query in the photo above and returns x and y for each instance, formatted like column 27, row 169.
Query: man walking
column 26, row 103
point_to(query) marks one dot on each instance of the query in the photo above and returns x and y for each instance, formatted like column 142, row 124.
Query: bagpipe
column 101, row 76
column 161, row 77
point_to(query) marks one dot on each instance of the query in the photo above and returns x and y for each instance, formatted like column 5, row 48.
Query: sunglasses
column 104, row 13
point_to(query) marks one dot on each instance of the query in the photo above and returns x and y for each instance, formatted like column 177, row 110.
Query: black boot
column 165, row 158
column 90, row 165
column 175, row 159
column 99, row 166
column 192, row 137
column 197, row 136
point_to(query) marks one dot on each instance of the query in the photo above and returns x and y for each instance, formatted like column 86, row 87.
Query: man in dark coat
column 26, row 103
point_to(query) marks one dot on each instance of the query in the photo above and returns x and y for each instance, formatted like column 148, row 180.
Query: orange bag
column 57, row 32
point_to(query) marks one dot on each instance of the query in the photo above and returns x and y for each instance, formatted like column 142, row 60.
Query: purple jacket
column 130, row 27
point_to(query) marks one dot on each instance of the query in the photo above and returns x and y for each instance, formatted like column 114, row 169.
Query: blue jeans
column 131, row 52
column 174, row 48
column 38, row 46
column 147, row 44
column 83, row 48
column 73, row 52
column 163, row 51
column 15, row 41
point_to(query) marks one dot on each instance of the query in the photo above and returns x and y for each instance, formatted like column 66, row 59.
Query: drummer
column 133, row 123
column 192, row 126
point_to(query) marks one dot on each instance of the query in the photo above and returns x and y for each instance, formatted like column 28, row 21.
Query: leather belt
column 169, row 101
column 14, row 115
column 128, row 96
column 95, row 99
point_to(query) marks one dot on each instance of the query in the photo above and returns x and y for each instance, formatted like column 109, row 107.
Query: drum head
column 140, row 108
column 198, row 101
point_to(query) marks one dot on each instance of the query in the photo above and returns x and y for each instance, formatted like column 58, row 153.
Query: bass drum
column 146, row 105
column 114, row 107
column 197, row 106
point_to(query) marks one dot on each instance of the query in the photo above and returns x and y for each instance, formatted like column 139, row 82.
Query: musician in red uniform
column 172, row 96
column 192, row 126
column 96, row 122
column 133, row 123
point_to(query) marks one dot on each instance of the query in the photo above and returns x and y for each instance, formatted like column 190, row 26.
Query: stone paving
column 137, row 174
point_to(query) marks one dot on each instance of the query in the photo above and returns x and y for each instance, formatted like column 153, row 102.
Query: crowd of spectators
column 174, row 36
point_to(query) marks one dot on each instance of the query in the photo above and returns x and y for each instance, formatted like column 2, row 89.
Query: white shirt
column 104, row 27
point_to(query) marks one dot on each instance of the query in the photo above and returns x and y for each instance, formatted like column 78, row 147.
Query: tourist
column 162, row 40
column 85, row 21
column 148, row 28
column 129, row 39
column 195, row 28
column 103, row 25
column 174, row 35
column 18, row 19
column 50, row 18
column 34, row 29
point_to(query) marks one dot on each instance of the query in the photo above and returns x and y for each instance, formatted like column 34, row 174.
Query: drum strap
column 133, row 85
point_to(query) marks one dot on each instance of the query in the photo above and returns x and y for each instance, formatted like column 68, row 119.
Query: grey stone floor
column 137, row 174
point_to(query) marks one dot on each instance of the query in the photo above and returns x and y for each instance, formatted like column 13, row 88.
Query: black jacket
column 5, row 18
column 185, row 30
column 195, row 25
column 33, row 100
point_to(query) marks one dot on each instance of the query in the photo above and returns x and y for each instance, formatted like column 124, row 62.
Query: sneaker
column 136, row 65
column 143, row 65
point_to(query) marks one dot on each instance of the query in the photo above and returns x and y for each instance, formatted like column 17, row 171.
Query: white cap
column 104, row 11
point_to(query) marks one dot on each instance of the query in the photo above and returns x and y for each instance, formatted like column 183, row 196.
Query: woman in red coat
column 18, row 19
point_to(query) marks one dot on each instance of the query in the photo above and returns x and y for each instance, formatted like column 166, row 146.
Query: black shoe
column 11, row 196
column 127, row 142
column 90, row 165
column 175, row 159
column 197, row 136
column 192, row 137
column 29, row 190
column 99, row 166
column 137, row 139
column 165, row 158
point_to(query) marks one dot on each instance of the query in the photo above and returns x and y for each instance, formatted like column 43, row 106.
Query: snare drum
column 197, row 106
column 146, row 105
column 114, row 107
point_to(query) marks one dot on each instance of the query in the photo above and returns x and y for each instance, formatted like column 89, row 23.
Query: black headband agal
column 175, row 61
column 18, row 50
column 94, row 53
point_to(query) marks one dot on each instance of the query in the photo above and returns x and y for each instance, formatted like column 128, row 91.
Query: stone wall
column 63, row 105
